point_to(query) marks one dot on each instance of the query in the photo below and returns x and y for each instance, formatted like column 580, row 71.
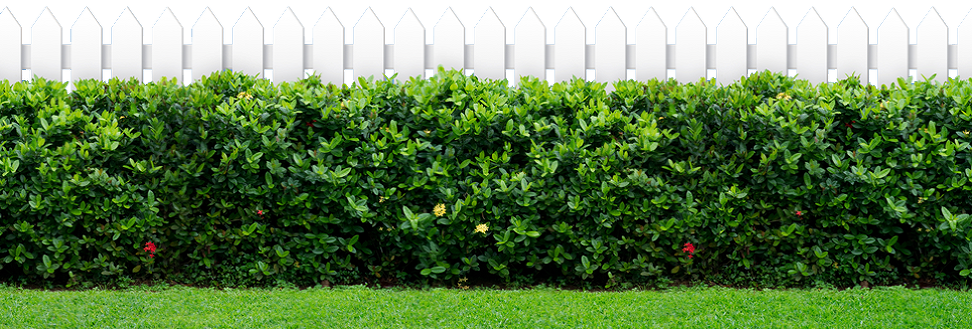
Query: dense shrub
column 236, row 181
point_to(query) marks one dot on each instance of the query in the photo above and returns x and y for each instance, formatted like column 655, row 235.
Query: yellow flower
column 920, row 200
column 427, row 132
column 439, row 210
column 481, row 228
column 463, row 280
column 966, row 132
column 381, row 199
column 783, row 95
column 244, row 94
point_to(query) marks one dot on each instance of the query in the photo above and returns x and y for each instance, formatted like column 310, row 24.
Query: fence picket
column 650, row 55
column 964, row 37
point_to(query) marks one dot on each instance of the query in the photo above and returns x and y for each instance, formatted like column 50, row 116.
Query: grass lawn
column 360, row 307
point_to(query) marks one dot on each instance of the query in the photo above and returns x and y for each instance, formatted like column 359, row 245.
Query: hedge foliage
column 772, row 180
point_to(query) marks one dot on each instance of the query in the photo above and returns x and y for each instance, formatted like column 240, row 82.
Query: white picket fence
column 651, row 55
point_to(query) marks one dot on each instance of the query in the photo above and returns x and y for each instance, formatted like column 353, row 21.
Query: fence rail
column 651, row 56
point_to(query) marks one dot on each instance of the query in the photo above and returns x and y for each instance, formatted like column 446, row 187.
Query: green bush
column 772, row 180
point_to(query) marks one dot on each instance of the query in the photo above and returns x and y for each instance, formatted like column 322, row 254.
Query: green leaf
column 965, row 272
column 946, row 213
column 883, row 173
column 533, row 234
column 426, row 272
column 438, row 269
column 249, row 230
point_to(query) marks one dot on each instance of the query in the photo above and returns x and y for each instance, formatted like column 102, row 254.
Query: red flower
column 260, row 212
column 689, row 248
column 150, row 247
column 799, row 213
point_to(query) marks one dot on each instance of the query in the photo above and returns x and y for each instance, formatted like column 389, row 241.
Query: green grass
column 359, row 307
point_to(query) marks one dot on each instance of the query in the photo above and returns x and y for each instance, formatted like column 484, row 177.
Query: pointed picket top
column 529, row 12
column 571, row 34
column 328, row 40
column 529, row 39
column 812, row 34
column 247, row 16
column 288, row 34
column 409, row 34
column 609, row 36
column 366, row 14
column 489, row 54
column 931, row 12
column 611, row 11
column 572, row 9
column 39, row 15
column 368, row 11
column 651, row 14
column 692, row 11
column 732, row 38
column 92, row 15
column 201, row 14
column 86, row 35
column 691, row 34
column 855, row 18
column 207, row 35
column 488, row 12
column 853, row 14
column 692, row 15
column 651, row 35
column 811, row 16
column 731, row 12
column 11, row 38
column 248, row 34
column 572, row 22
column 892, row 37
column 733, row 19
column 164, row 14
column 407, row 14
column 11, row 16
column 126, row 13
column 289, row 14
column 771, row 35
column 126, row 35
column 208, row 13
column 449, row 35
column 329, row 17
column 167, row 34
column 932, row 47
column 449, row 16
column 852, row 41
column 773, row 16
column 892, row 13
column 964, row 38
column 369, row 35
column 45, row 34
